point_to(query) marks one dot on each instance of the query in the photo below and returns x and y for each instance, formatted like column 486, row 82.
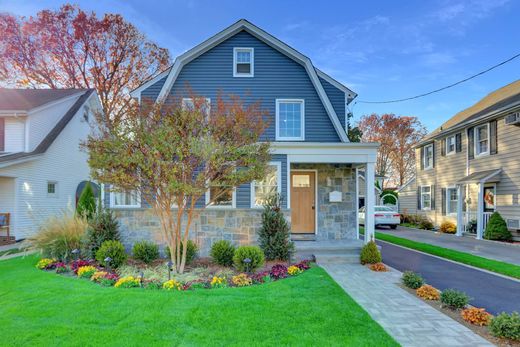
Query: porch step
column 337, row 258
column 303, row 237
column 335, row 251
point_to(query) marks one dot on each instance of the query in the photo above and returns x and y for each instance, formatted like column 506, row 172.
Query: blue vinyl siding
column 275, row 76
column 151, row 93
column 337, row 99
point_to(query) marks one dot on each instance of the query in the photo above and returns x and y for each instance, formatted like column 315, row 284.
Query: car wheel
column 393, row 226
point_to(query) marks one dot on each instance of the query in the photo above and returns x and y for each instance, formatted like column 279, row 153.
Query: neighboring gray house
column 313, row 164
column 41, row 165
column 470, row 166
column 408, row 197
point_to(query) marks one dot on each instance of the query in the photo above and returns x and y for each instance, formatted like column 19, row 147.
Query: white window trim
column 56, row 189
column 113, row 205
column 476, row 141
column 299, row 138
column 243, row 49
column 424, row 157
column 233, row 201
column 278, row 165
column 422, row 199
column 448, row 201
column 448, row 152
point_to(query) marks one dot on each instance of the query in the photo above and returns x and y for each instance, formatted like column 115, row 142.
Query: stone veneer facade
column 336, row 220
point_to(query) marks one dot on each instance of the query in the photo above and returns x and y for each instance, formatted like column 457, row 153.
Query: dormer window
column 243, row 62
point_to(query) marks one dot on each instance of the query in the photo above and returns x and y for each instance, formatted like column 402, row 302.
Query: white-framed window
column 482, row 139
column 450, row 145
column 426, row 197
column 52, row 189
column 188, row 104
column 272, row 183
column 226, row 197
column 428, row 156
column 125, row 199
column 243, row 62
column 290, row 119
column 452, row 197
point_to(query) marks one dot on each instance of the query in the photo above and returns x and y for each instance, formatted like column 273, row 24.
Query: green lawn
column 44, row 309
column 461, row 257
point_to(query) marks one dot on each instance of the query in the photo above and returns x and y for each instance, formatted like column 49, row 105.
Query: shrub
column 241, row 280
column 145, row 251
column 222, row 253
column 448, row 227
column 454, row 299
column 253, row 253
column 412, row 280
column 114, row 250
column 86, row 271
column 294, row 270
column 506, row 325
column 45, row 264
column 59, row 235
column 378, row 267
column 425, row 223
column 427, row 292
column 496, row 229
column 86, row 207
column 61, row 268
column 172, row 285
column 274, row 235
column 102, row 227
column 278, row 271
column 218, row 282
column 191, row 251
column 128, row 282
column 153, row 284
column 476, row 316
column 370, row 254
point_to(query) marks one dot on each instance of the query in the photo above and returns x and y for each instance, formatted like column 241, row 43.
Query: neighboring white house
column 41, row 164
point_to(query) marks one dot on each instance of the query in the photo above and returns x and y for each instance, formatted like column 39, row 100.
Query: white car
column 383, row 216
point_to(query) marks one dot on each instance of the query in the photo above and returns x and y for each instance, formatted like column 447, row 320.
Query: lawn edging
column 496, row 266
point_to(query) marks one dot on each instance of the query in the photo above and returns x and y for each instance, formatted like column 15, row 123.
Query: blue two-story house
column 314, row 166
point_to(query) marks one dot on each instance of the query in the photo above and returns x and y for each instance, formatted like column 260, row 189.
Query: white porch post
column 460, row 219
column 480, row 211
column 369, row 201
column 356, row 203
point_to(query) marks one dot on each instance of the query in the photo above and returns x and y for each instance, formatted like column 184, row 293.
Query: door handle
column 313, row 207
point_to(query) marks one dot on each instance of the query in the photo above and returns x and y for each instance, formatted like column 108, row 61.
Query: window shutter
column 2, row 134
column 471, row 143
column 443, row 190
column 493, row 137
column 458, row 142
column 422, row 158
column 419, row 207
column 433, row 154
column 432, row 195
column 443, row 147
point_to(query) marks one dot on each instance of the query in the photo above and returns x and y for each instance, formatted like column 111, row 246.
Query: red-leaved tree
column 71, row 48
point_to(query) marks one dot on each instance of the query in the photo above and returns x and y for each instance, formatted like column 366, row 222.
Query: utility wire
column 443, row 88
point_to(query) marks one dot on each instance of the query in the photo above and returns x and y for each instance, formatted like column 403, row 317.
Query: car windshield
column 383, row 209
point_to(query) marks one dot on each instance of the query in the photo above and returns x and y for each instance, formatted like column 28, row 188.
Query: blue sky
column 381, row 49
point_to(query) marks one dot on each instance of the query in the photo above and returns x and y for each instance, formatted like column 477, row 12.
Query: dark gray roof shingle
column 27, row 99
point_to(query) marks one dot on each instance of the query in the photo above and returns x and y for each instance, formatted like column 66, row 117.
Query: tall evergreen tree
column 87, row 202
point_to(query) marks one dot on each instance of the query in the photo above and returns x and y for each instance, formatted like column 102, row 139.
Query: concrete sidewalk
column 509, row 253
column 409, row 320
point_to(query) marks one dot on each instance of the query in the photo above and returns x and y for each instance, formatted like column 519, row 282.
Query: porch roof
column 482, row 177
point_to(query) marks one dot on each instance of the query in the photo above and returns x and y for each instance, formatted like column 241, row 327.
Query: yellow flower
column 128, row 282
column 218, row 281
column 294, row 270
column 44, row 263
column 242, row 280
column 86, row 271
column 98, row 275
column 172, row 285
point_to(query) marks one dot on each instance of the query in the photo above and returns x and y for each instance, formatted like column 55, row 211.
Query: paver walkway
column 487, row 249
column 409, row 320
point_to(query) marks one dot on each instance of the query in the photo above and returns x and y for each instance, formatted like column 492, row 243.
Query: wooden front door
column 303, row 202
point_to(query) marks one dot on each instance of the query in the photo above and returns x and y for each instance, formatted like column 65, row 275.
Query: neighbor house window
column 450, row 144
column 243, row 62
column 188, row 104
column 125, row 199
column 52, row 188
column 426, row 197
column 271, row 184
column 290, row 119
column 482, row 139
column 222, row 197
column 452, row 196
column 428, row 156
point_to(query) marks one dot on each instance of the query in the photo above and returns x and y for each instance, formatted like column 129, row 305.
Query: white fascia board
column 136, row 93
column 406, row 184
column 311, row 152
column 336, row 84
column 19, row 161
column 270, row 40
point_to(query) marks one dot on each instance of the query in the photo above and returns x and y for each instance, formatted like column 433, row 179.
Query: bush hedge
column 145, row 251
column 191, row 251
column 253, row 253
column 102, row 227
column 454, row 299
column 506, row 325
column 113, row 249
column 496, row 229
column 222, row 253
column 412, row 280
column 448, row 227
column 370, row 254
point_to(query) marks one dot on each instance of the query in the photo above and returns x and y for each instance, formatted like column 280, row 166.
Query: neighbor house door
column 303, row 202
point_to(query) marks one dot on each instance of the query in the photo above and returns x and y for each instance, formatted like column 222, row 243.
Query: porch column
column 480, row 211
column 460, row 218
column 369, row 202
column 356, row 203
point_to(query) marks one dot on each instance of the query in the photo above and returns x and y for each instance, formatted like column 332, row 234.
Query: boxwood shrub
column 454, row 299
column 222, row 253
column 145, row 251
column 253, row 253
column 412, row 280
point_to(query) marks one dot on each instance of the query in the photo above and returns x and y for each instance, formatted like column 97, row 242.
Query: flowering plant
column 278, row 271
column 294, row 270
column 218, row 282
column 304, row 265
column 108, row 280
column 378, row 267
column 61, row 267
column 261, row 277
column 427, row 292
column 128, row 282
column 98, row 275
column 86, row 271
column 76, row 264
column 241, row 280
column 46, row 264
column 172, row 285
column 476, row 316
